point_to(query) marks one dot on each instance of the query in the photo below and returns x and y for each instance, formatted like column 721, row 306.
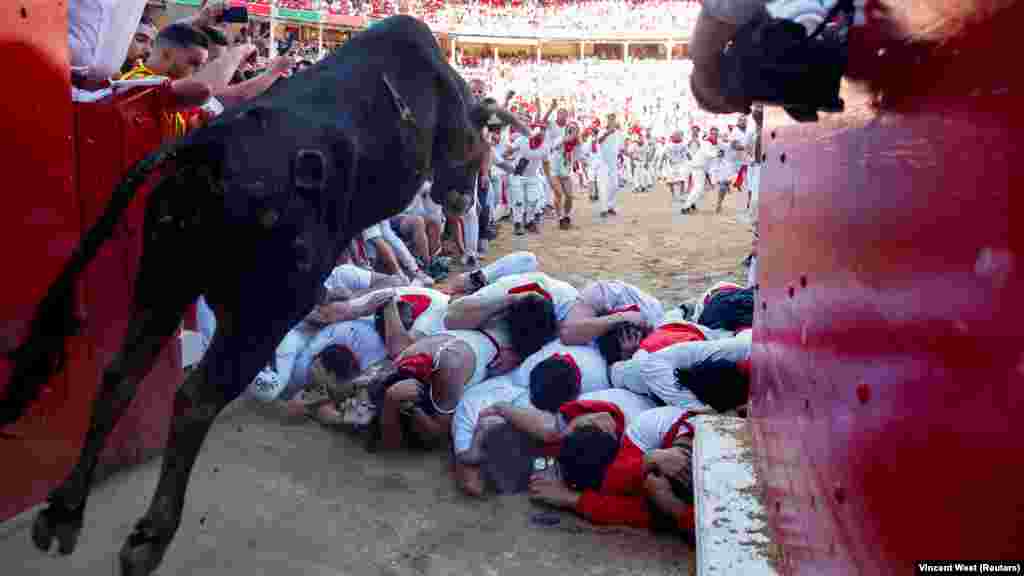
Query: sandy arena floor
column 293, row 498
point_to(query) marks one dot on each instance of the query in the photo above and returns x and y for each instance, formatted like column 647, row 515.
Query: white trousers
column 611, row 187
column 752, row 183
column 525, row 195
column 401, row 251
column 471, row 228
column 514, row 263
column 698, row 189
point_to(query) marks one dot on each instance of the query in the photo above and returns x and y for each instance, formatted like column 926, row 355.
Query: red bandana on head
column 531, row 287
column 568, row 359
column 677, row 138
column 419, row 303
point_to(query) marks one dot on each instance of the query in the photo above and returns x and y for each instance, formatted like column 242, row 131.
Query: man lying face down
column 432, row 374
column 606, row 304
column 547, row 379
column 656, row 374
column 644, row 477
column 361, row 331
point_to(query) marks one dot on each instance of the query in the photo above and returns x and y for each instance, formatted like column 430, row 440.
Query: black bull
column 253, row 214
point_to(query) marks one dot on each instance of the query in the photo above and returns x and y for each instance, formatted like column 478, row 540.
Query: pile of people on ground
column 507, row 363
column 585, row 398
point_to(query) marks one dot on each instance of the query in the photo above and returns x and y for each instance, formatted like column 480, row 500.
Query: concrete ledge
column 731, row 522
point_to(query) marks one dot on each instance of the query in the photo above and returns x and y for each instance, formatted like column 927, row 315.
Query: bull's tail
column 42, row 355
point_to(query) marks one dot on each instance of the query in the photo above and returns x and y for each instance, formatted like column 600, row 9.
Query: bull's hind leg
column 148, row 331
column 229, row 363
column 159, row 303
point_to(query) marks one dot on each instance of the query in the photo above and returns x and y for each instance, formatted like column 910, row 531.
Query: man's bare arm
column 538, row 424
column 238, row 93
column 471, row 312
column 398, row 338
column 218, row 73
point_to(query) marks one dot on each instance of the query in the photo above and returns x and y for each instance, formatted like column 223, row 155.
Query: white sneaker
column 267, row 386
column 421, row 279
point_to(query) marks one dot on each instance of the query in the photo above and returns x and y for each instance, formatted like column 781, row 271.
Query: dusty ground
column 292, row 498
column 649, row 244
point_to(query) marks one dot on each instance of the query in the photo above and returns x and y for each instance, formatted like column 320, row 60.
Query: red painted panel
column 114, row 134
column 888, row 366
column 46, row 213
column 39, row 228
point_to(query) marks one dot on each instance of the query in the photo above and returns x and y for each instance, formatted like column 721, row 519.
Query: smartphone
column 236, row 15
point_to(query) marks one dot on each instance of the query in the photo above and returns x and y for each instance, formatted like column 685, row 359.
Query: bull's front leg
column 196, row 405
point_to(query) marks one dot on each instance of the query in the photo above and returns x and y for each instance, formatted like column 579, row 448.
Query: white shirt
column 648, row 430
column 587, row 156
column 359, row 336
column 608, row 295
column 372, row 232
column 611, row 147
column 654, row 374
column 533, row 156
column 554, row 133
column 475, row 399
column 630, row 403
column 85, row 19
column 677, row 153
column 593, row 367
column 348, row 276
column 562, row 294
column 431, row 320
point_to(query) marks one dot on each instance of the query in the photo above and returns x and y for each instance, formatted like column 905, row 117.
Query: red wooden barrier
column 889, row 368
column 113, row 134
column 54, row 194
column 40, row 225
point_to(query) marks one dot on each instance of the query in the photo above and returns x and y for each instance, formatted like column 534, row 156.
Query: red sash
column 531, row 287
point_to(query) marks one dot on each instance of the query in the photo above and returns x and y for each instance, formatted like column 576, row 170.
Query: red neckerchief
column 576, row 408
column 567, row 148
column 536, row 141
column 531, row 287
column 419, row 303
column 669, row 334
column 568, row 359
column 674, row 431
column 420, row 366
column 677, row 139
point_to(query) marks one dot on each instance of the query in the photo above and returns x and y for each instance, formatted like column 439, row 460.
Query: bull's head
column 463, row 145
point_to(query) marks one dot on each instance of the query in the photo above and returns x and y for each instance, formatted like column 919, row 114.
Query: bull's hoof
column 143, row 551
column 57, row 522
